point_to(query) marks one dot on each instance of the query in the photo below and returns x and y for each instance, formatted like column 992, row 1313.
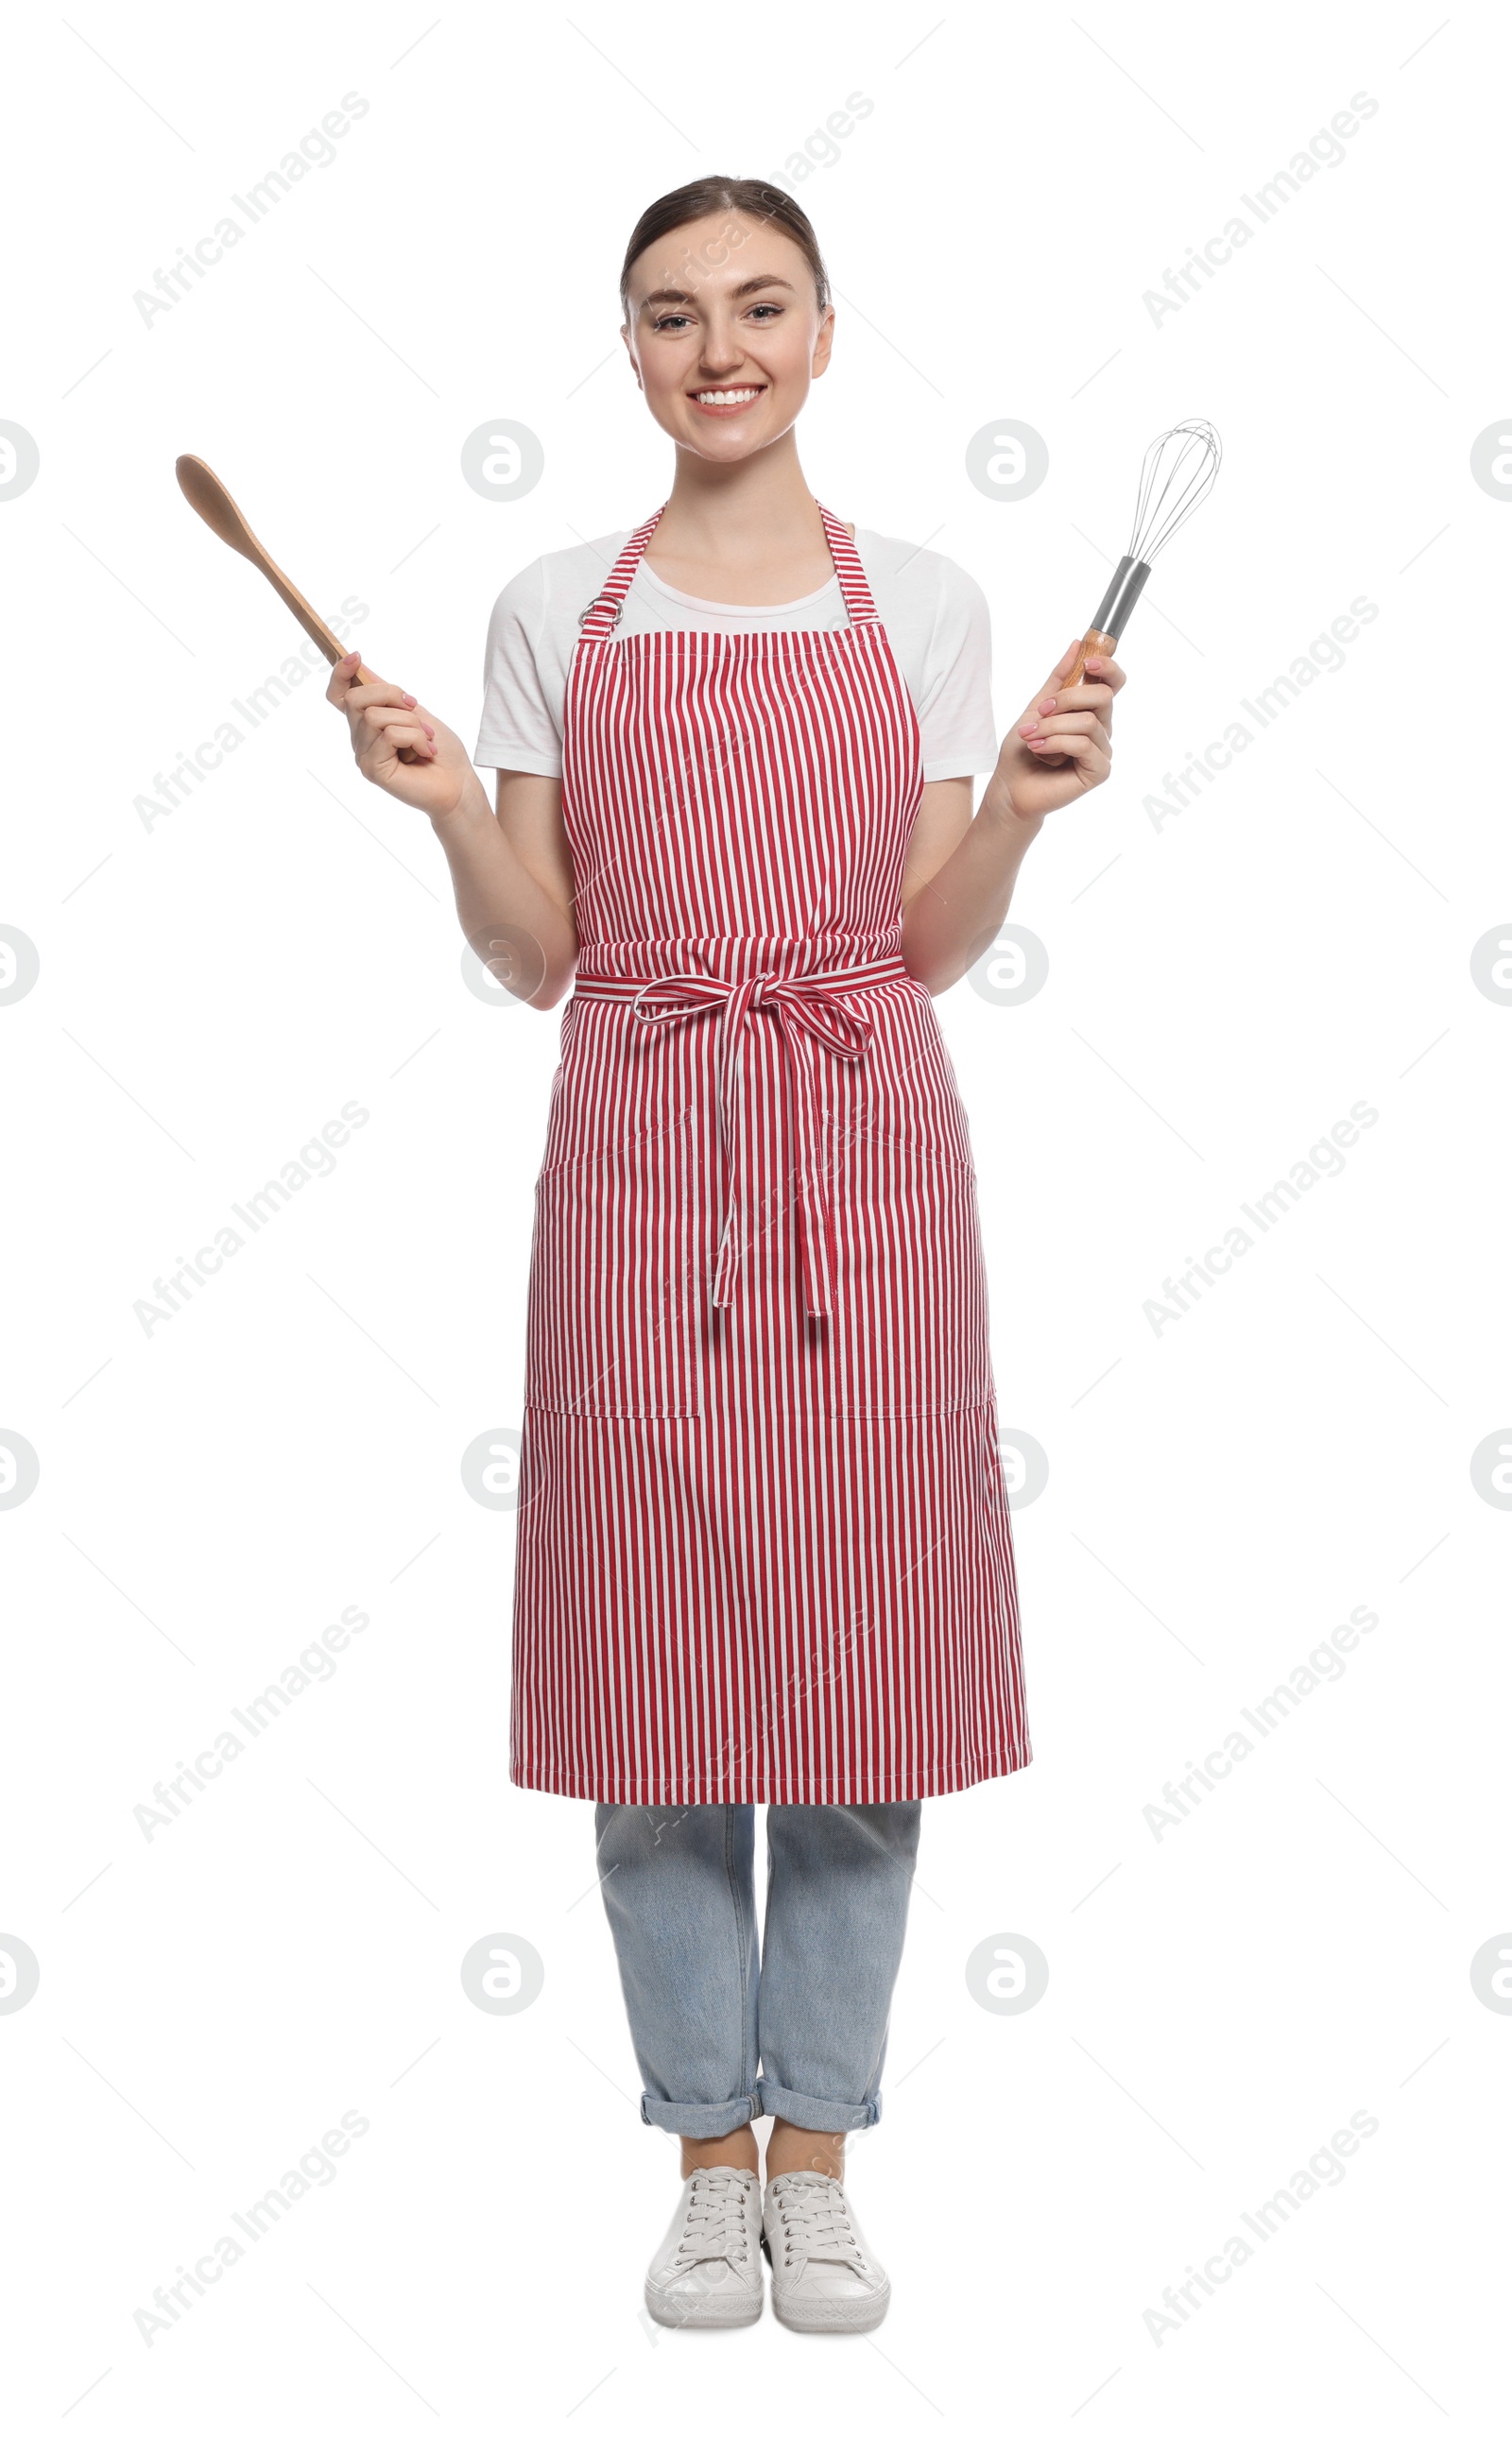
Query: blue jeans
column 812, row 2006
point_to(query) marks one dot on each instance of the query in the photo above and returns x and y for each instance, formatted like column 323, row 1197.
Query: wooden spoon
column 208, row 497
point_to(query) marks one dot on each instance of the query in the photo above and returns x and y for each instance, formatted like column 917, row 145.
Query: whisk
column 1180, row 469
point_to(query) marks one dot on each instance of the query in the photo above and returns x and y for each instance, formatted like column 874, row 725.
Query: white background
column 1222, row 989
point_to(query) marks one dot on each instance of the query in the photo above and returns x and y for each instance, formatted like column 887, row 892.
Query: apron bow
column 809, row 1012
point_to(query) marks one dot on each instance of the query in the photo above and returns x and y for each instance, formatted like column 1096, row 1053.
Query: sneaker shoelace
column 816, row 2225
column 716, row 2224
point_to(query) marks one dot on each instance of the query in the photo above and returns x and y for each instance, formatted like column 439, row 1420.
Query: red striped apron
column 764, row 1551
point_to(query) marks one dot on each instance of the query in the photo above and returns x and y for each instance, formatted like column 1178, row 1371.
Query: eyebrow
column 744, row 287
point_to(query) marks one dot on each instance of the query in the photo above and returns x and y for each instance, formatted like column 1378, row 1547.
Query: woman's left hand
column 1061, row 746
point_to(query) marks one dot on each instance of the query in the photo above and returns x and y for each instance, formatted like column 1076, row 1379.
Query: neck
column 747, row 516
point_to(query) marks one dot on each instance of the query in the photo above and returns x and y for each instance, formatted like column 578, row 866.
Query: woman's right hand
column 399, row 746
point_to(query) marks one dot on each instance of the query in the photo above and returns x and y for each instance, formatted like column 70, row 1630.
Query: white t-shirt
column 935, row 615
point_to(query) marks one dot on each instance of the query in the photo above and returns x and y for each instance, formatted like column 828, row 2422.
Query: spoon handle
column 314, row 625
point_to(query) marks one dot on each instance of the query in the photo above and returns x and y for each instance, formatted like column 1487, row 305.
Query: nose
column 721, row 350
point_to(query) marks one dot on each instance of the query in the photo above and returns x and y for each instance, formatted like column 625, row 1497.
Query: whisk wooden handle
column 1093, row 640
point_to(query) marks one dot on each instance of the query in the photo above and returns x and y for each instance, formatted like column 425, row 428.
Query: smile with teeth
column 726, row 396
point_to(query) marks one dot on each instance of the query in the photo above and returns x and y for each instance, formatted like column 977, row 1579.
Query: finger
column 1067, row 662
column 344, row 689
column 1065, row 723
column 342, row 676
column 364, row 697
column 1086, row 751
column 383, row 720
column 399, row 736
column 1109, row 675
column 399, row 714
column 1077, row 697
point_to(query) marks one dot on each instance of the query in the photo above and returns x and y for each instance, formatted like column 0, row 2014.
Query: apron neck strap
column 603, row 614
column 847, row 568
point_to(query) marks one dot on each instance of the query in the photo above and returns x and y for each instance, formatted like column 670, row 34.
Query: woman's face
column 725, row 334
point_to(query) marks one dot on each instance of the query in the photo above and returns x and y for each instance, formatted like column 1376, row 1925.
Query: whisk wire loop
column 1180, row 469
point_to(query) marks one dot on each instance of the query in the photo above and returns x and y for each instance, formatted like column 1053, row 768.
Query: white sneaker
column 824, row 2279
column 708, row 2272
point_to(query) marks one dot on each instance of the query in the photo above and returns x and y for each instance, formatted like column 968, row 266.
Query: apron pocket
column 908, row 1333
column 615, row 1310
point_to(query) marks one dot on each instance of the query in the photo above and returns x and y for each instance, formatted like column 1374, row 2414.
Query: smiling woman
column 765, row 1551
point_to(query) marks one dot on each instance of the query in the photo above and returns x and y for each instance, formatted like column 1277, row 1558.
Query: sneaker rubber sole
column 736, row 2308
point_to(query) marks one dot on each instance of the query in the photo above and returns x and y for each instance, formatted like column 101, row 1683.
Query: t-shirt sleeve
column 955, row 724
column 520, row 727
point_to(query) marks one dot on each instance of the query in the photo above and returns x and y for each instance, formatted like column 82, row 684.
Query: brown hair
column 755, row 197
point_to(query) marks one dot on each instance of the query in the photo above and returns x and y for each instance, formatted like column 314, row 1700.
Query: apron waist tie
column 807, row 1010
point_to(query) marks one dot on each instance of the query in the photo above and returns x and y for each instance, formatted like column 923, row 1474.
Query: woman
column 764, row 1549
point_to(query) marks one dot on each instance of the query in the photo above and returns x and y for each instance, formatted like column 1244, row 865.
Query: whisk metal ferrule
column 1127, row 582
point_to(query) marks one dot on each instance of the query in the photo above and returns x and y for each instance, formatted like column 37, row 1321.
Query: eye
column 767, row 309
column 666, row 321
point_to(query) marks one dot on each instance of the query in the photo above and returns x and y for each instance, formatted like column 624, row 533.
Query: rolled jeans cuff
column 701, row 2120
column 815, row 2114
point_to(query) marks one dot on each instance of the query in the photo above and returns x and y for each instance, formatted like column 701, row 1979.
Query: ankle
column 792, row 2150
column 737, row 2148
